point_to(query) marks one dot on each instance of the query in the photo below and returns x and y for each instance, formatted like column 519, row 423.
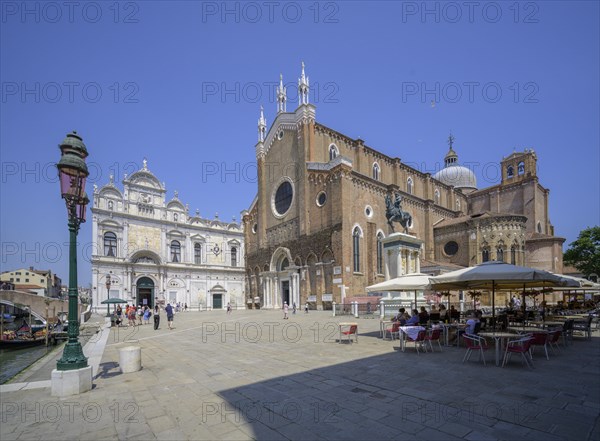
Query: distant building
column 156, row 252
column 314, row 232
column 40, row 282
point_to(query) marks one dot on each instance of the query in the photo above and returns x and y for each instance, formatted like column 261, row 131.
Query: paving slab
column 211, row 378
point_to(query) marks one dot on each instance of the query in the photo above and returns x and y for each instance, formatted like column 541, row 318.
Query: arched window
column 513, row 254
column 284, row 264
column 333, row 152
column 175, row 251
column 409, row 186
column 380, row 253
column 356, row 249
column 110, row 244
column 175, row 218
column 500, row 254
column 436, row 196
column 521, row 168
column 197, row 253
column 539, row 227
column 110, row 205
column 485, row 255
column 510, row 172
column 376, row 171
column 233, row 256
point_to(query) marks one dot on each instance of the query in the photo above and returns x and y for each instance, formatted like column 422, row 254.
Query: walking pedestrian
column 169, row 311
column 228, row 308
column 185, row 307
column 156, row 317
column 285, row 310
column 306, row 308
column 131, row 315
column 294, row 308
column 140, row 313
column 147, row 314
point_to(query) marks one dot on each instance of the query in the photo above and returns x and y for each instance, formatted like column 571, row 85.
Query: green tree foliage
column 584, row 253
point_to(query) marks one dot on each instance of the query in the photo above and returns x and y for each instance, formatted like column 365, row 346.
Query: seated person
column 444, row 313
column 471, row 324
column 414, row 320
column 470, row 329
column 454, row 313
column 434, row 314
column 423, row 316
column 402, row 317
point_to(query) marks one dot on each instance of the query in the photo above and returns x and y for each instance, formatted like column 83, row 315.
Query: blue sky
column 181, row 84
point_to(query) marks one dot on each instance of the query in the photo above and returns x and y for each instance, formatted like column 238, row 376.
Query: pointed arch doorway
column 145, row 292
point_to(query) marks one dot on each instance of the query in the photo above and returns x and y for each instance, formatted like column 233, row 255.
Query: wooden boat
column 22, row 342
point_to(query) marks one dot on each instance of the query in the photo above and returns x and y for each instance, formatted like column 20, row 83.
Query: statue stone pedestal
column 402, row 255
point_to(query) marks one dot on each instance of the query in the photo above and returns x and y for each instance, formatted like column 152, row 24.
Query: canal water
column 13, row 361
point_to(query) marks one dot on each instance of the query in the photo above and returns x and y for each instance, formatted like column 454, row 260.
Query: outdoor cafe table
column 411, row 331
column 527, row 329
column 447, row 327
column 545, row 324
column 342, row 325
column 498, row 337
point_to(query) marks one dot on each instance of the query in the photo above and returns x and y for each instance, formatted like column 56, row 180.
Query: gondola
column 22, row 342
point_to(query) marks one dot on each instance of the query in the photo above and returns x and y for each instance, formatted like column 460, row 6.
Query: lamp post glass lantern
column 73, row 172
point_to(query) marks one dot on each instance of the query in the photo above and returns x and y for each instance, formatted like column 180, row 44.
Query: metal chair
column 520, row 346
column 585, row 328
column 418, row 341
column 475, row 343
column 394, row 330
column 540, row 339
column 353, row 331
column 554, row 337
column 434, row 336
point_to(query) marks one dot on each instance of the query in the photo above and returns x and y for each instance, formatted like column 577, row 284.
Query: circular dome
column 458, row 176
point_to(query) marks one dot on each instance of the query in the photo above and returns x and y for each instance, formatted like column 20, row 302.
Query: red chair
column 394, row 330
column 419, row 341
column 352, row 331
column 554, row 338
column 475, row 343
column 520, row 346
column 539, row 339
column 434, row 336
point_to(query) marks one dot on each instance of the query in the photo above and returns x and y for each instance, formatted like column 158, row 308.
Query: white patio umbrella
column 497, row 275
column 578, row 284
column 408, row 282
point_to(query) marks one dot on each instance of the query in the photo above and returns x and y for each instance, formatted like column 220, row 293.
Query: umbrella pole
column 494, row 304
column 524, row 305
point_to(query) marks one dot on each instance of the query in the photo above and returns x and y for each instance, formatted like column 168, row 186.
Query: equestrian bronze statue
column 394, row 213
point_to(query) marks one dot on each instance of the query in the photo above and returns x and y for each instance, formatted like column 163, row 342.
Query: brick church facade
column 313, row 232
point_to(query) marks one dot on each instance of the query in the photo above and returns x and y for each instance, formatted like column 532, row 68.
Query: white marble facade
column 155, row 251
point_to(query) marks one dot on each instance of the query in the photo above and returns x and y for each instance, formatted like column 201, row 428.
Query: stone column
column 399, row 263
column 126, row 252
column 276, row 294
column 387, row 255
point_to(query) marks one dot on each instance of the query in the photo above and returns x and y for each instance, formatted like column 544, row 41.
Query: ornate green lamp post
column 73, row 172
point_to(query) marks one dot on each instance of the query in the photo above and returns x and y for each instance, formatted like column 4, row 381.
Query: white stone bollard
column 130, row 359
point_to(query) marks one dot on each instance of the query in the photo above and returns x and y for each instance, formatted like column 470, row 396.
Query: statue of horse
column 394, row 213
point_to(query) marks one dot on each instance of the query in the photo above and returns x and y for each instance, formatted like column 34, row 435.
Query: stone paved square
column 253, row 375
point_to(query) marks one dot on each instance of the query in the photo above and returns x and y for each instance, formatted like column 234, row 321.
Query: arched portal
column 145, row 292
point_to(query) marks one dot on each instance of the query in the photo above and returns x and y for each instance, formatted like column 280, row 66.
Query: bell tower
column 519, row 166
